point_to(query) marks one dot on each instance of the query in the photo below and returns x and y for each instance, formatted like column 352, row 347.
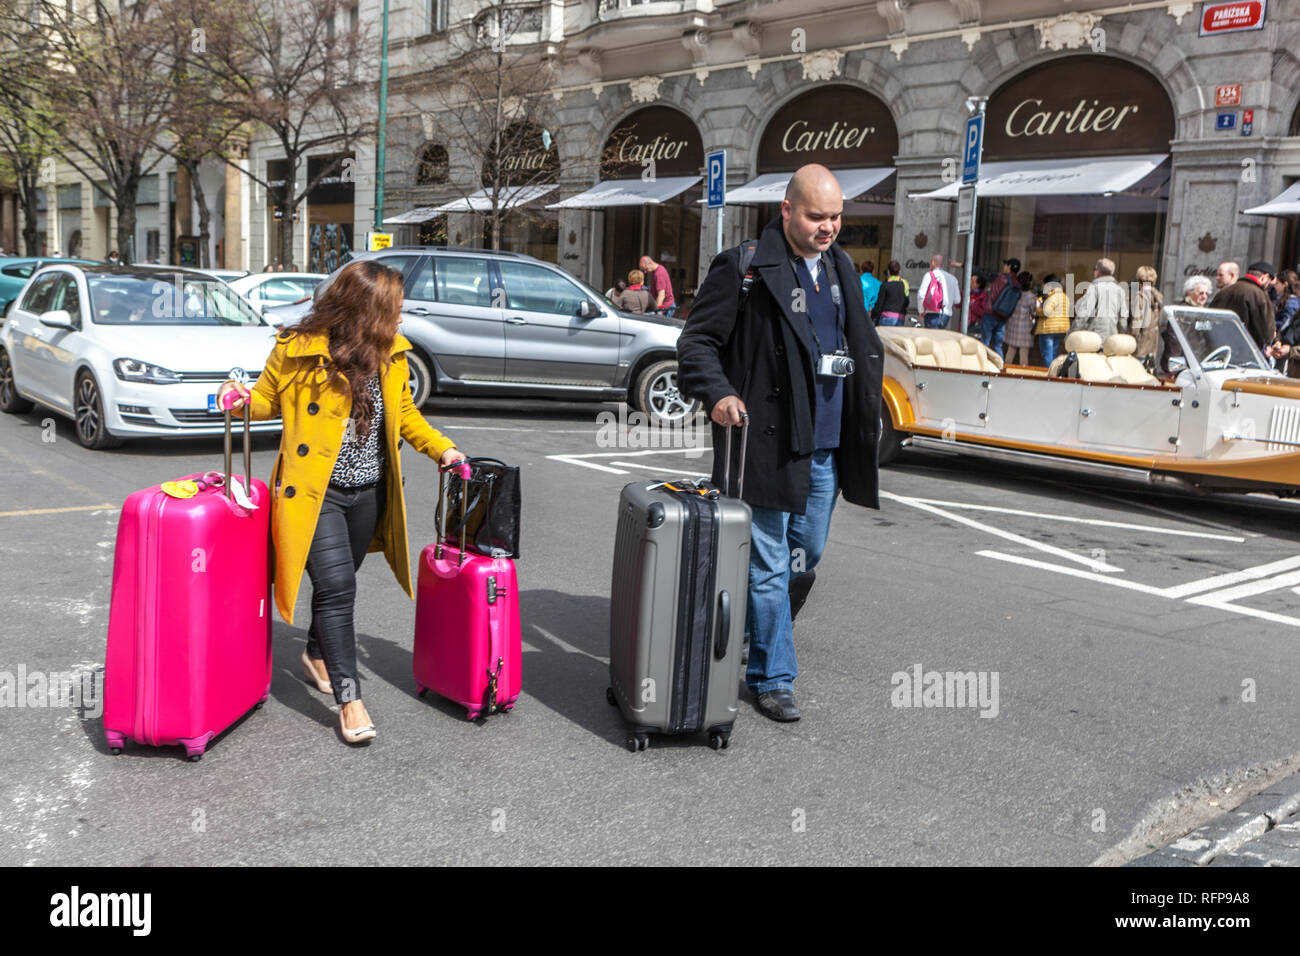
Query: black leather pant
column 343, row 532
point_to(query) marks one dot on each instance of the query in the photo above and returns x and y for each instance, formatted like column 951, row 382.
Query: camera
column 836, row 363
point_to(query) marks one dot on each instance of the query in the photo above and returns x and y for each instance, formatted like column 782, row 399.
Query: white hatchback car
column 129, row 352
column 266, row 289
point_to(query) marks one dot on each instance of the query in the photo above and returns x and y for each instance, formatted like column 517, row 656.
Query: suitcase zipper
column 690, row 529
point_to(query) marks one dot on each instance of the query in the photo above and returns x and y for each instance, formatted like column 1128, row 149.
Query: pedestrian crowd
column 647, row 288
column 1014, row 313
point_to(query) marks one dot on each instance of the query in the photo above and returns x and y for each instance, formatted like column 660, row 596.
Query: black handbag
column 491, row 511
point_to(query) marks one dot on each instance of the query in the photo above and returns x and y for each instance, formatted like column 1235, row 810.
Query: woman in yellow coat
column 1053, row 319
column 339, row 381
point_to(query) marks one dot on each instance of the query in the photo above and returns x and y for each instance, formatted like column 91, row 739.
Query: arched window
column 433, row 165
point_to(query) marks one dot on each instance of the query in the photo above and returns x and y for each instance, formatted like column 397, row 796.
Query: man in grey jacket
column 1103, row 308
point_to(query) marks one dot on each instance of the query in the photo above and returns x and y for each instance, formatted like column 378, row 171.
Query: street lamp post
column 381, row 145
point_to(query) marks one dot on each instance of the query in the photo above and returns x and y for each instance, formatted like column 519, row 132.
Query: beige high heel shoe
column 358, row 735
column 309, row 672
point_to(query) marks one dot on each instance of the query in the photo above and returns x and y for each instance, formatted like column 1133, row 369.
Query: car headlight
column 133, row 370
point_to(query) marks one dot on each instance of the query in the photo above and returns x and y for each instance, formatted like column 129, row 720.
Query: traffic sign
column 716, row 164
column 970, row 160
column 965, row 209
column 378, row 240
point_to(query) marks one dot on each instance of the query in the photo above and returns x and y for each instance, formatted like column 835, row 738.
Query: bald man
column 769, row 338
column 1226, row 274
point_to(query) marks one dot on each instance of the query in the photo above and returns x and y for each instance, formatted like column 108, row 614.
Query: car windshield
column 167, row 299
column 1216, row 339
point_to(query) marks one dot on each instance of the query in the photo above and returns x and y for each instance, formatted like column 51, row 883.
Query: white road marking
column 1073, row 572
column 1091, row 563
column 1218, row 581
column 1220, row 598
column 581, row 459
column 568, row 648
column 674, row 471
column 1099, row 522
column 1146, row 506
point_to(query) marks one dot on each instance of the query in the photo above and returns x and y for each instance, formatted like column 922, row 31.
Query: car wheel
column 656, row 394
column 890, row 444
column 421, row 378
column 88, row 409
column 10, row 401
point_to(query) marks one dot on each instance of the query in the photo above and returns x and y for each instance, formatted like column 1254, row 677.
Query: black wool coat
column 1253, row 307
column 766, row 355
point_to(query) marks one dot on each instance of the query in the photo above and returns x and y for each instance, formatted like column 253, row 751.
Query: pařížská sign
column 1231, row 17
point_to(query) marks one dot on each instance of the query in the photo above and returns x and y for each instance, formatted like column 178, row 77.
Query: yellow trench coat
column 293, row 387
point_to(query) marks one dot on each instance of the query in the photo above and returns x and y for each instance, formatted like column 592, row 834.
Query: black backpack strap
column 748, row 249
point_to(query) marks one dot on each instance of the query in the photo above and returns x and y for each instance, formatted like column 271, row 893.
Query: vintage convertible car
column 1222, row 420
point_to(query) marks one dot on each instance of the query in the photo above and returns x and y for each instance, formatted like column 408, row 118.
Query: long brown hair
column 359, row 312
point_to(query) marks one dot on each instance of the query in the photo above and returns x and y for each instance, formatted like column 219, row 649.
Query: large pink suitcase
column 467, row 645
column 189, row 631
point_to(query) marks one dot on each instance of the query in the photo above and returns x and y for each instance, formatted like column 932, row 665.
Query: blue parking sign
column 716, row 164
column 970, row 160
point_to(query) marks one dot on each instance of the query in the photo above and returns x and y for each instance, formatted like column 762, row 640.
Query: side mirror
column 1177, row 363
column 588, row 309
column 58, row 319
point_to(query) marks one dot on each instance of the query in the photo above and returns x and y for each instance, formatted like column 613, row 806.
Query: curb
column 1230, row 831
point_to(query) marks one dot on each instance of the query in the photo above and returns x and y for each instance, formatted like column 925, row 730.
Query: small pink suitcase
column 467, row 645
column 189, row 631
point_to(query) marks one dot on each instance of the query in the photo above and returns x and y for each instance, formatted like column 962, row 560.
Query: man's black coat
column 766, row 356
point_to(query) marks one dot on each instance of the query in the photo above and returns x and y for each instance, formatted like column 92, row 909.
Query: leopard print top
column 361, row 462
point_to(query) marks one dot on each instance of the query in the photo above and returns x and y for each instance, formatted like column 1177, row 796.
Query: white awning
column 1056, row 177
column 1285, row 204
column 419, row 214
column 770, row 187
column 628, row 192
column 510, row 197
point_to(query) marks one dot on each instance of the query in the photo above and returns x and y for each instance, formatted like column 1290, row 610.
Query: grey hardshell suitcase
column 677, row 607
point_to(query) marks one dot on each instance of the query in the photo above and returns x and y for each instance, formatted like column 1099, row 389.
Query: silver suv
column 501, row 323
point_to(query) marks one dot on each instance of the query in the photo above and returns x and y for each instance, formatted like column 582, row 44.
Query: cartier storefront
column 647, row 200
column 1076, row 167
column 849, row 131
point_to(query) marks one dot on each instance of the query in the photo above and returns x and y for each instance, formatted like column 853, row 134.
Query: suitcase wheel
column 194, row 758
column 471, row 716
column 115, row 750
column 420, row 690
column 116, row 742
column 637, row 740
column 610, row 698
column 719, row 739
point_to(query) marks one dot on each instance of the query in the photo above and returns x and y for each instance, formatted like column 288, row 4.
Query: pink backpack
column 933, row 294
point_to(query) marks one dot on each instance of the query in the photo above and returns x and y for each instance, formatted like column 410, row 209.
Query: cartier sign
column 525, row 158
column 837, row 126
column 1078, row 106
column 658, row 135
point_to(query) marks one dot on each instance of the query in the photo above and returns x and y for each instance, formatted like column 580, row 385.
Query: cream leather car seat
column 1086, row 346
column 925, row 356
column 975, row 356
column 948, row 353
column 1119, row 351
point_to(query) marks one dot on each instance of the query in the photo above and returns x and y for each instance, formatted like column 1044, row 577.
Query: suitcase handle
column 463, row 470
column 726, row 462
column 248, row 448
column 724, row 626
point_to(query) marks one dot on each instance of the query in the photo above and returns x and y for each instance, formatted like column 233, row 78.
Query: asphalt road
column 1121, row 647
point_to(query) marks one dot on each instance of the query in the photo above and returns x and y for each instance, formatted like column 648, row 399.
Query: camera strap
column 837, row 297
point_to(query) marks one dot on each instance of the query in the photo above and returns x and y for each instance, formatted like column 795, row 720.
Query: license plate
column 212, row 403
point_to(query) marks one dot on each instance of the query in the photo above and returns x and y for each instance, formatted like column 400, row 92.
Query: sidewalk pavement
column 1263, row 831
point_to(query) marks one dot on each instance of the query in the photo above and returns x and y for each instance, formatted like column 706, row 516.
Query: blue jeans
column 670, row 311
column 936, row 320
column 991, row 332
column 1050, row 346
column 890, row 320
column 781, row 540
